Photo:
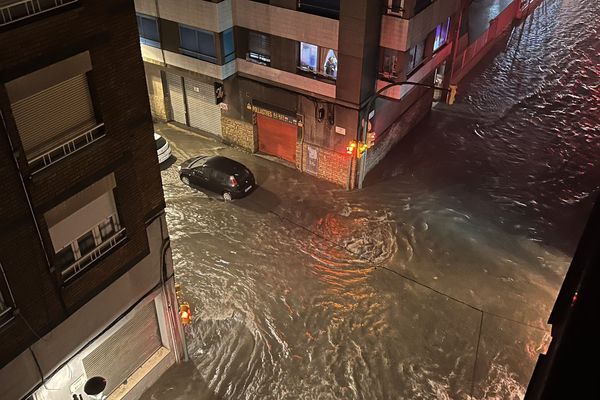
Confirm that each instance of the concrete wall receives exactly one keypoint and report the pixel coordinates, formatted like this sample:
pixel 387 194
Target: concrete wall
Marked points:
pixel 69 337
pixel 402 34
pixel 298 26
pixel 215 17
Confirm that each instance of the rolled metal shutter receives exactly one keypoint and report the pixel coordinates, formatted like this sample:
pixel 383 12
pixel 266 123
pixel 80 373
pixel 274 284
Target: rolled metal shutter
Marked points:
pixel 203 112
pixel 176 101
pixel 54 115
pixel 276 137
pixel 126 350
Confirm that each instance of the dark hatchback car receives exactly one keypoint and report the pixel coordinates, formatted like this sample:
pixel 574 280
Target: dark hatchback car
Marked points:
pixel 218 174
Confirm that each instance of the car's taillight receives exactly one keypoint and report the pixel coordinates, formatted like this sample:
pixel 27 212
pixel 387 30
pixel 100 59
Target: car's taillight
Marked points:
pixel 232 181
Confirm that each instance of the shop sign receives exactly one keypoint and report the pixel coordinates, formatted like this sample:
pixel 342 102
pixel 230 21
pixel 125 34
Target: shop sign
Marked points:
pixel 312 162
pixel 274 115
pixel 219 92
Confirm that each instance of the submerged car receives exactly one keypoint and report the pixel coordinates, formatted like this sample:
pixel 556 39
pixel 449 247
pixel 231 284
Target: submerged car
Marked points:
pixel 162 148
pixel 220 175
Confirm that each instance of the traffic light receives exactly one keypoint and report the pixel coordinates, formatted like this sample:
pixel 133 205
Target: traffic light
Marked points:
pixel 351 146
pixel 361 149
pixel 452 94
pixel 371 139
pixel 185 313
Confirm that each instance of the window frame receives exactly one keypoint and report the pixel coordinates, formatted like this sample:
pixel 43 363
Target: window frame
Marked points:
pixel 439 31
pixel 228 56
pixel 196 53
pixel 255 54
pixel 414 63
pixel 321 59
pixel 99 241
pixel 143 39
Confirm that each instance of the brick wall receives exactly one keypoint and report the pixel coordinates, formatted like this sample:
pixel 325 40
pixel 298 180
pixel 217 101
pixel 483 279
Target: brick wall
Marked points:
pixel 239 133
pixel 108 30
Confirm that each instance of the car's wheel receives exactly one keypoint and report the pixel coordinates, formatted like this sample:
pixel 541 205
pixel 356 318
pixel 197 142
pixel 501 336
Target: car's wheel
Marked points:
pixel 185 180
pixel 226 196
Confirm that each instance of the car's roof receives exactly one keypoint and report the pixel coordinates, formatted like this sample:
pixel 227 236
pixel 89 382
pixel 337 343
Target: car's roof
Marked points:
pixel 223 164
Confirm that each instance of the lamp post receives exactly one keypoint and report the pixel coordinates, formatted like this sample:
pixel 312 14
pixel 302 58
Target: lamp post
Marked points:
pixel 364 121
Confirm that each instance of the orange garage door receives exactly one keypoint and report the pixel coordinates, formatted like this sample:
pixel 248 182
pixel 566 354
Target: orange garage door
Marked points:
pixel 276 138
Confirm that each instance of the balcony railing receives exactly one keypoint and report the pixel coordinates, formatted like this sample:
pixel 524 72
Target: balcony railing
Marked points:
pixel 19 10
pixel 79 265
pixel 61 151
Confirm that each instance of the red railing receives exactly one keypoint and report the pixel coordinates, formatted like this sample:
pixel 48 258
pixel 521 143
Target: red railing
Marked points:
pixel 466 60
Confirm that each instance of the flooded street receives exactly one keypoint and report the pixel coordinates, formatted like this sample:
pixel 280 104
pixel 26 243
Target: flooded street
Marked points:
pixel 433 282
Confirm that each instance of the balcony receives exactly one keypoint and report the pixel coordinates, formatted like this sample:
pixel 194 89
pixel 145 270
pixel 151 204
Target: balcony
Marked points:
pixel 61 151
pixel 422 72
pixel 401 34
pixel 80 264
pixel 13 11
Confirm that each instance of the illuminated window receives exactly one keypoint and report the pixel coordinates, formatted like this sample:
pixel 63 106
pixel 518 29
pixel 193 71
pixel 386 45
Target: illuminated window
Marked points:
pixel 308 56
pixel 318 60
pixel 441 34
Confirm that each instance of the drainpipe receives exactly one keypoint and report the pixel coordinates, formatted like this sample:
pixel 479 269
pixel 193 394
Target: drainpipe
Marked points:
pixel 30 206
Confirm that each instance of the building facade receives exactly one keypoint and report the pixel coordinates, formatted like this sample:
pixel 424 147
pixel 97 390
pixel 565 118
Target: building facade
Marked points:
pixel 292 79
pixel 86 278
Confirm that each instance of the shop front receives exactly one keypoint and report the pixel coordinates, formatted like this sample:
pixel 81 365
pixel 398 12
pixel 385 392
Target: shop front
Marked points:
pixel 277 133
pixel 130 355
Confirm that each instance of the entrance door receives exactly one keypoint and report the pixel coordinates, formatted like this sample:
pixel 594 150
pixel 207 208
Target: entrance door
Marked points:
pixel 276 138
pixel 204 114
pixel 176 102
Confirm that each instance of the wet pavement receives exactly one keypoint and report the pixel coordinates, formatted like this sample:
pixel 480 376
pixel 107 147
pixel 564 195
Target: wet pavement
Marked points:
pixel 433 282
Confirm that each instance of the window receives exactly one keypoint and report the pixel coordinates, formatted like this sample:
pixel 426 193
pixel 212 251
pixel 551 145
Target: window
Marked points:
pixel 308 56
pixel 324 8
pixel 318 60
pixel 228 46
pixel 415 57
pixel 84 227
pixel 197 43
pixel 396 7
pixel 148 30
pixel 441 34
pixel 259 48
pixel 53 111
pixel 389 64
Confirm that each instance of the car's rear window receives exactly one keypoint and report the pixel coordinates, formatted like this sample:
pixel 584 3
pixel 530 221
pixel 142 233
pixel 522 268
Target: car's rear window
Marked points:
pixel 160 142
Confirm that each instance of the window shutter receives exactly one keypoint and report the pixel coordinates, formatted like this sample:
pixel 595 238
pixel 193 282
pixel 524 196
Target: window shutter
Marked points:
pixel 53 116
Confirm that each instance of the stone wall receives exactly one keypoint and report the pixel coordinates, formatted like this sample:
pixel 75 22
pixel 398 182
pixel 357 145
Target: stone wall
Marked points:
pixel 239 133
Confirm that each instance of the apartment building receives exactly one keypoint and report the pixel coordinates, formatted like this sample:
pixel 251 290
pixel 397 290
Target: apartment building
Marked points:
pixel 86 278
pixel 291 79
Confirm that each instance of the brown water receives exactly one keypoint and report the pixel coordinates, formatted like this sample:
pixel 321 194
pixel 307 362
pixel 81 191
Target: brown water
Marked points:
pixel 433 282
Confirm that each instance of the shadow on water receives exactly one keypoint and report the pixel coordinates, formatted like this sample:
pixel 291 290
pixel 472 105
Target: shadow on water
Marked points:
pixel 260 201
pixel 168 163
